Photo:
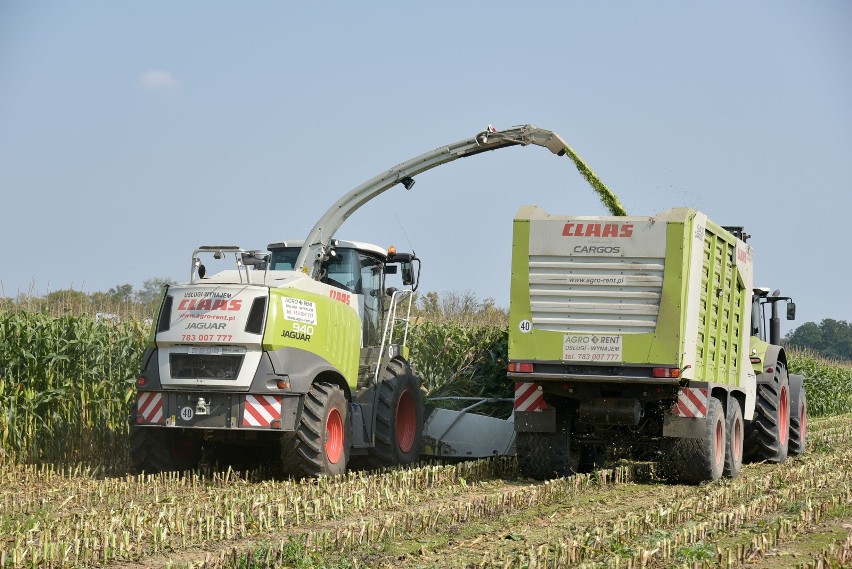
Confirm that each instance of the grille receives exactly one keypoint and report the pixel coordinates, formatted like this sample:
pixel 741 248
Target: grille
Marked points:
pixel 596 294
pixel 203 366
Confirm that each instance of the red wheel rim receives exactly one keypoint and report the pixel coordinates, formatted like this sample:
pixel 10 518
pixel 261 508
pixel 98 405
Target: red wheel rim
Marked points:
pixel 803 422
pixel 406 421
pixel 738 440
pixel 334 436
pixel 783 417
pixel 720 442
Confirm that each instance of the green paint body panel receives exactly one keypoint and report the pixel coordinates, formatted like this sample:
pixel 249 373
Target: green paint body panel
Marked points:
pixel 336 336
pixel 673 289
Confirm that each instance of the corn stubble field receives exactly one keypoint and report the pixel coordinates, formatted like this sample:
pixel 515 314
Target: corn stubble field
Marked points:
pixel 67 500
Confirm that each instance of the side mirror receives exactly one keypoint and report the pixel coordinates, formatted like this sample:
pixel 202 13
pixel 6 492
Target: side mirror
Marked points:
pixel 407 273
pixel 390 269
pixel 791 311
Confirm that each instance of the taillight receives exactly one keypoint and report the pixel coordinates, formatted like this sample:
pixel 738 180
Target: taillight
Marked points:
pixel 141 381
pixel 520 367
pixel 754 359
pixel 665 372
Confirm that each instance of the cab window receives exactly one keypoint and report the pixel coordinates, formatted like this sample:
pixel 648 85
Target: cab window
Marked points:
pixel 283 259
pixel 370 286
pixel 343 270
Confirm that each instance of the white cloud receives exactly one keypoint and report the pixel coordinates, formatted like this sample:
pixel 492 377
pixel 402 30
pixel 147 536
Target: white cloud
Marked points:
pixel 159 80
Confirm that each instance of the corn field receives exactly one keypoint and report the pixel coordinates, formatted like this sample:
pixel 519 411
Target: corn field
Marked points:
pixel 64 394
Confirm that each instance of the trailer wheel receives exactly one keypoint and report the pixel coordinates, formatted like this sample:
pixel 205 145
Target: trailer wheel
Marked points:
pixel 798 418
pixel 320 444
pixel 161 449
pixel 735 431
pixel 699 460
pixel 399 417
pixel 767 437
pixel 548 455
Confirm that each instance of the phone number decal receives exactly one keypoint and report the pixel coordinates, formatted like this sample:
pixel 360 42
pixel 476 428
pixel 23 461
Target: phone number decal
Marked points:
pixel 592 348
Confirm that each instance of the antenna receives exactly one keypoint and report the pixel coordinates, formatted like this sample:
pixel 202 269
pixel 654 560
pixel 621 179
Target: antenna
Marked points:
pixel 398 220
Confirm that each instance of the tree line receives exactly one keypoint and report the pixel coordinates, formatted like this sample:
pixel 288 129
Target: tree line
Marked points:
pixel 123 301
pixel 830 338
pixel 120 301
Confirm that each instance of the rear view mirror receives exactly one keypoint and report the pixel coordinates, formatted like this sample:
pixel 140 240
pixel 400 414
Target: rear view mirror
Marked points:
pixel 407 273
pixel 791 311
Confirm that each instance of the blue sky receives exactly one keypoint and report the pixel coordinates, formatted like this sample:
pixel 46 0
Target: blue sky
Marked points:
pixel 132 132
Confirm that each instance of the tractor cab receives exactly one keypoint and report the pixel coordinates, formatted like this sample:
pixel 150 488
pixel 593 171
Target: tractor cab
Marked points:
pixel 760 300
pixel 359 270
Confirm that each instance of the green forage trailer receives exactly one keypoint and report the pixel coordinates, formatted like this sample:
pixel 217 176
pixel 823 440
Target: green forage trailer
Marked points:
pixel 645 332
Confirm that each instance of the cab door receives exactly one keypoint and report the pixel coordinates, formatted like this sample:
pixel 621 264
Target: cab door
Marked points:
pixel 370 295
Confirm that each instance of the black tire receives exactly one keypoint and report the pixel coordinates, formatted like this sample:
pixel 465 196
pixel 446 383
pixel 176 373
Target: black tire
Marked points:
pixel 163 449
pixel 320 444
pixel 591 458
pixel 399 417
pixel 734 437
pixel 798 418
pixel 692 461
pixel 767 436
pixel 548 455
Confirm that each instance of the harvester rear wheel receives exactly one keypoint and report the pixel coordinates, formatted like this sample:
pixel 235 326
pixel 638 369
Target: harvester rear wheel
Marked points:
pixel 798 419
pixel 161 449
pixel 320 444
pixel 399 417
pixel 767 437
pixel 735 431
pixel 548 455
pixel 699 460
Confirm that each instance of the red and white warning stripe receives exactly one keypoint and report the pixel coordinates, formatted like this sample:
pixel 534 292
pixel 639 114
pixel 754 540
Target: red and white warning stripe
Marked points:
pixel 691 402
pixel 149 407
pixel 261 410
pixel 529 397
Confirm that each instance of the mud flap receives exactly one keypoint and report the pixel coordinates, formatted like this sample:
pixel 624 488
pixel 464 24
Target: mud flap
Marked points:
pixel 541 421
pixel 684 427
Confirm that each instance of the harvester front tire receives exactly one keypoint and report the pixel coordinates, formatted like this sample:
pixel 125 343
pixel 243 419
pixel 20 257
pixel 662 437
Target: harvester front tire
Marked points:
pixel 798 418
pixel 161 449
pixel 768 435
pixel 399 418
pixel 320 444
pixel 735 433
pixel 692 461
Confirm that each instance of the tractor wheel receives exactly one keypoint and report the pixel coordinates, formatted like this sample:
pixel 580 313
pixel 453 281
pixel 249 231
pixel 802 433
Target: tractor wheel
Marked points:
pixel 320 444
pixel 735 430
pixel 161 449
pixel 548 455
pixel 399 417
pixel 699 460
pixel 767 437
pixel 798 419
